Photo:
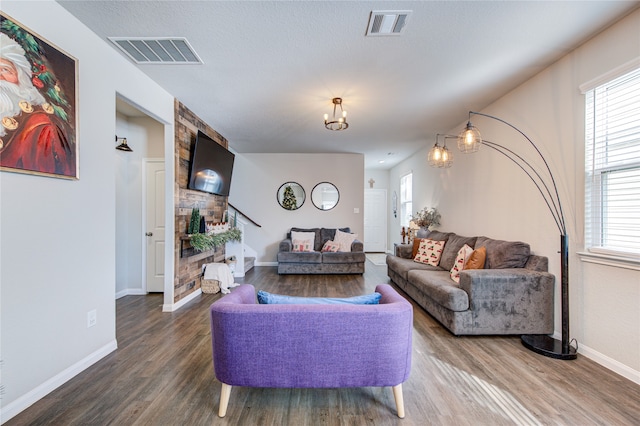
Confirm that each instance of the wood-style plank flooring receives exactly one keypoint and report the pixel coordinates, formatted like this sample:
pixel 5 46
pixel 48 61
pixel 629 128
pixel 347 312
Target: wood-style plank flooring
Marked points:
pixel 162 374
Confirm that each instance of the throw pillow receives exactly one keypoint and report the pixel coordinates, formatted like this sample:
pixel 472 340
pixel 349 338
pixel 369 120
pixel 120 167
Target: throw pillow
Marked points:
pixel 270 298
pixel 330 246
pixel 416 246
pixel 304 236
pixel 344 240
pixel 429 252
pixel 477 258
pixel 302 245
pixel 461 259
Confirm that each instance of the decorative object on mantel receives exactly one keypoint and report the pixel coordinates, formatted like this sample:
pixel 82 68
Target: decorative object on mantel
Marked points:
pixel 470 140
pixel 205 242
pixel 194 222
pixel 425 218
pixel 339 123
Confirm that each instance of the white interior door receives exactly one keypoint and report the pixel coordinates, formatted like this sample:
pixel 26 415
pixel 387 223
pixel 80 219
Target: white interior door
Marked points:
pixel 375 220
pixel 155 225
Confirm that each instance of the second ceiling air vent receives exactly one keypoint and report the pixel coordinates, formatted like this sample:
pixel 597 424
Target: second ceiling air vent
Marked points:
pixel 387 22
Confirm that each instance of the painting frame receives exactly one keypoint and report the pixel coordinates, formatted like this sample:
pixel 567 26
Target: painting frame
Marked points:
pixel 39 121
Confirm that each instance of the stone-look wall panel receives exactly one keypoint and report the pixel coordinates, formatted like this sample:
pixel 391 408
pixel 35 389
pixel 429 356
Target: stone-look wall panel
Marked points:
pixel 212 207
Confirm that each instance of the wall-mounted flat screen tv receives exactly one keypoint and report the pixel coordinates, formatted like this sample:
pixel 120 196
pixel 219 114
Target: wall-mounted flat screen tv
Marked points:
pixel 211 166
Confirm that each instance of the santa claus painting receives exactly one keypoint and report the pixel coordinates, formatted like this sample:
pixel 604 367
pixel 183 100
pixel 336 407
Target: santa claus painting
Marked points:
pixel 37 105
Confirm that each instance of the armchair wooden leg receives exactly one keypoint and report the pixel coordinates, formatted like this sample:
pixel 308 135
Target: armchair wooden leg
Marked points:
pixel 397 394
pixel 225 393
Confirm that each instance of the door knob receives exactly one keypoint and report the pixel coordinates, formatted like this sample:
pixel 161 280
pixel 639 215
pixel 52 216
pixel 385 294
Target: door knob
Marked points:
pixel 148 234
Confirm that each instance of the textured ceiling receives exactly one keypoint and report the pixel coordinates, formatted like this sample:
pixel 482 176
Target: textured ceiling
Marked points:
pixel 271 68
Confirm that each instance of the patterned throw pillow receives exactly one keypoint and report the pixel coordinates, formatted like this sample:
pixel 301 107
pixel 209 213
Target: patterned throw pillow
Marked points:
pixel 429 252
pixel 302 245
pixel 330 246
pixel 463 255
pixel 344 240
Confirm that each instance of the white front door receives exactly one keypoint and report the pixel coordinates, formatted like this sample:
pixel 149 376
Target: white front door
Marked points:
pixel 375 220
pixel 154 225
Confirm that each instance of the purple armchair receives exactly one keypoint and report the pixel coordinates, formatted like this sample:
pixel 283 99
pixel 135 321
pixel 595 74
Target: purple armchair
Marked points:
pixel 311 346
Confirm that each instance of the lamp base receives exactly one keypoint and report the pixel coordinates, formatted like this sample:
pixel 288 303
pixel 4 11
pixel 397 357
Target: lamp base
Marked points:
pixel 547 346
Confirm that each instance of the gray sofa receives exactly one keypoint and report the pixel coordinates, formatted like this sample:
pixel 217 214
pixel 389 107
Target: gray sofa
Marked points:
pixel 513 294
pixel 316 262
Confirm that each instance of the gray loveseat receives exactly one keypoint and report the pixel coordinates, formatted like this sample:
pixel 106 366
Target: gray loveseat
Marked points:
pixel 317 262
pixel 513 294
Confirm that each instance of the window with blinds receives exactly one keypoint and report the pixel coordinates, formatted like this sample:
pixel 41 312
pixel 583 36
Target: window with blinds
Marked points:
pixel 612 160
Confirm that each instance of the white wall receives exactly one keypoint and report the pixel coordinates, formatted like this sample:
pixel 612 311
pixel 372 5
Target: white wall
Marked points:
pixel 485 194
pixel 58 236
pixel 257 177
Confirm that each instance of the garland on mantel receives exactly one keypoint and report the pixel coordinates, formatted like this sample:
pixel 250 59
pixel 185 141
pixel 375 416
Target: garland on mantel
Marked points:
pixel 205 242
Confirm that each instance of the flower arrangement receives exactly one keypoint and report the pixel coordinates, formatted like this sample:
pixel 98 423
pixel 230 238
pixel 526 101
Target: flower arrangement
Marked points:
pixel 426 217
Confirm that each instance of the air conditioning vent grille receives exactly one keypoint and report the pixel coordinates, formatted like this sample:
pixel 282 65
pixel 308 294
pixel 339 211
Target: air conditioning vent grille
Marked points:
pixel 155 50
pixel 387 22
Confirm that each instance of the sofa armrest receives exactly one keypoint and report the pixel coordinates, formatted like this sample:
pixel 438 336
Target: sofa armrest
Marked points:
pixel 357 245
pixel 404 250
pixel 285 245
pixel 523 296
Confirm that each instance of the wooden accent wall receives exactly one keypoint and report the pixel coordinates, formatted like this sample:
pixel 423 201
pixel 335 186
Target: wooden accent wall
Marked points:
pixel 189 266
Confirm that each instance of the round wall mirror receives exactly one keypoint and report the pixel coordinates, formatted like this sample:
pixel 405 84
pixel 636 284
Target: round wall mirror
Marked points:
pixel 291 196
pixel 325 196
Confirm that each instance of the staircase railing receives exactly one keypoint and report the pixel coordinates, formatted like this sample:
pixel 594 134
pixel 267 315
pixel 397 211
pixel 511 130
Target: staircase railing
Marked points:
pixel 245 215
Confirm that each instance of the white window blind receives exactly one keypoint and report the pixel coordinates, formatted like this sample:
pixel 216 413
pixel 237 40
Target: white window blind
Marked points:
pixel 406 199
pixel 612 160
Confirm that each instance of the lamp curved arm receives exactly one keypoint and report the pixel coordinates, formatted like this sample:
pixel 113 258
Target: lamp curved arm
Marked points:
pixel 559 215
pixel 550 204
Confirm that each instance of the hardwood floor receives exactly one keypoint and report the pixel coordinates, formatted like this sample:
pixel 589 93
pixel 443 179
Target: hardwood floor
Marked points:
pixel 162 374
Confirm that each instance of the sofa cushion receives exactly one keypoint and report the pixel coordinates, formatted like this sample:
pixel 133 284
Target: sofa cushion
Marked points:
pixel 280 299
pixel 463 255
pixel 441 288
pixel 402 266
pixel 344 239
pixel 429 252
pixel 437 235
pixel 504 254
pixel 477 258
pixel 317 240
pixel 451 249
pixel 302 257
pixel 330 246
pixel 328 234
pixel 416 246
pixel 343 257
pixel 302 246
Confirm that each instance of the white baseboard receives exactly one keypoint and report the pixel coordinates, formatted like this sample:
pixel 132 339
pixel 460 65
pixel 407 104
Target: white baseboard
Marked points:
pixel 605 361
pixel 23 402
pixel 130 292
pixel 266 264
pixel 175 306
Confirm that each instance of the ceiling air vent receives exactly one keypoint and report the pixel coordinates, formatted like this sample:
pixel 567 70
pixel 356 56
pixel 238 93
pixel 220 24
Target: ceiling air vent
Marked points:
pixel 157 50
pixel 387 22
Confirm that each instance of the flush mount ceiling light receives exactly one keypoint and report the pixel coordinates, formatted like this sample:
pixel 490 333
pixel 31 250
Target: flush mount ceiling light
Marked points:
pixel 339 123
pixel 387 22
pixel 157 50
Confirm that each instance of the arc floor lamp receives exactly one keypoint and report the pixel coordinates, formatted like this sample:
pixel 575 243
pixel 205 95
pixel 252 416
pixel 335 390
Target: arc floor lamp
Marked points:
pixel 469 141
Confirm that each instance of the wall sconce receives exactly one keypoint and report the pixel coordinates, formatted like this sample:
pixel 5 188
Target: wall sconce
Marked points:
pixel 123 146
pixel 339 123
